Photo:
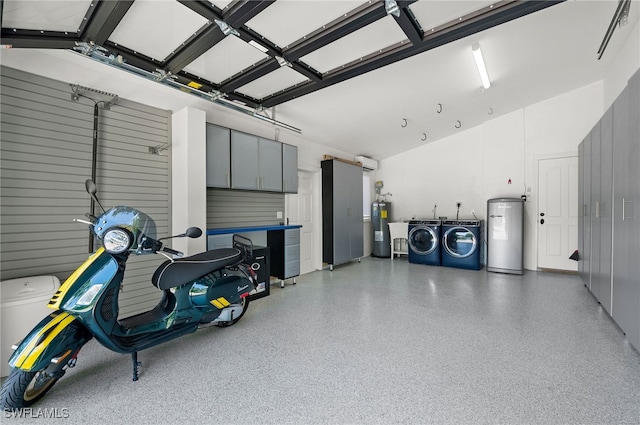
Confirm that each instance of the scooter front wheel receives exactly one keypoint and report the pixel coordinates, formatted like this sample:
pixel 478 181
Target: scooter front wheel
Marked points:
pixel 22 388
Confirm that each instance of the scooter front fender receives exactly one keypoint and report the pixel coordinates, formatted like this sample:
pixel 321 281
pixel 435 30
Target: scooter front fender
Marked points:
pixel 57 335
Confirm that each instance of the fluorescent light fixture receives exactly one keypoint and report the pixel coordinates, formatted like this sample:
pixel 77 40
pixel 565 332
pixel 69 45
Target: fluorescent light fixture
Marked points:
pixel 482 69
pixel 258 46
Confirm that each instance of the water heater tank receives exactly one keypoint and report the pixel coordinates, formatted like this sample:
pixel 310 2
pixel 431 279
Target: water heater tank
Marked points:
pixel 380 218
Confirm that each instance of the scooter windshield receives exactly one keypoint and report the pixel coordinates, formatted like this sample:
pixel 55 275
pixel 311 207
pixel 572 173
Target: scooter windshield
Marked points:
pixel 137 222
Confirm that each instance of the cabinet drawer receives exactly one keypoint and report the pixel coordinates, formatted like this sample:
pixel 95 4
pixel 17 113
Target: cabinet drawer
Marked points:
pixel 292 237
pixel 291 269
pixel 292 253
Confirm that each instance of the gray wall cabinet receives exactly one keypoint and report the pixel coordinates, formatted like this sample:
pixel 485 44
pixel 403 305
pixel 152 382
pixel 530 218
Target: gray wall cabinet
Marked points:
pixel 342 228
pixel 610 224
pixel 289 169
pixel 237 160
pixel 218 156
pixel 244 161
pixel 270 165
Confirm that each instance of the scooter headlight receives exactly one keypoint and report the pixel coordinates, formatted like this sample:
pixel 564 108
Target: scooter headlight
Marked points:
pixel 116 241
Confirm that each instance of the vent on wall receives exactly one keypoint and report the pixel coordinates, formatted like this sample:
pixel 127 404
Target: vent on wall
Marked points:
pixel 367 163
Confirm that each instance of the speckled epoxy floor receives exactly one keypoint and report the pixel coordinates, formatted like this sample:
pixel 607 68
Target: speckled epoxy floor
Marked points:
pixel 378 342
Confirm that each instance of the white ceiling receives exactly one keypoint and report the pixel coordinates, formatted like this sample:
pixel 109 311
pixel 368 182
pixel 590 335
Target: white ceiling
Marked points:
pixel 388 110
pixel 530 59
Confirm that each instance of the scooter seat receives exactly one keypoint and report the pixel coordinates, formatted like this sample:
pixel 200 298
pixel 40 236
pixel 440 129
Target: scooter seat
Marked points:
pixel 184 270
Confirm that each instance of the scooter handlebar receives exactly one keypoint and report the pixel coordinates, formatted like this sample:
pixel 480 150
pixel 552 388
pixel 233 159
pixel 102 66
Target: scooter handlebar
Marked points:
pixel 172 251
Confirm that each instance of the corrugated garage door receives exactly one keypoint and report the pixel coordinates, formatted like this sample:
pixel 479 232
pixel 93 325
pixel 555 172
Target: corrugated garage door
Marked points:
pixel 46 157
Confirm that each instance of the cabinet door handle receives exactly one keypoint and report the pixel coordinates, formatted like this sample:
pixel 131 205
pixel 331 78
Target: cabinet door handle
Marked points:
pixel 228 179
pixel 597 209
pixel 257 182
pixel 624 203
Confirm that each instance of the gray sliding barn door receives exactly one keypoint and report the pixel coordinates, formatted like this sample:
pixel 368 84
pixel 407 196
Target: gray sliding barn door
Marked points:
pixel 45 153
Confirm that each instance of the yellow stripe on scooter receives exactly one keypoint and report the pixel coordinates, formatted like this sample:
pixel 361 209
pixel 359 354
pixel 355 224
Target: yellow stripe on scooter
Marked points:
pixel 54 303
pixel 220 302
pixel 34 349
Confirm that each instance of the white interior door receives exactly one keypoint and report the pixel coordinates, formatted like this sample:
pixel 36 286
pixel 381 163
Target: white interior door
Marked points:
pixel 557 213
pixel 300 211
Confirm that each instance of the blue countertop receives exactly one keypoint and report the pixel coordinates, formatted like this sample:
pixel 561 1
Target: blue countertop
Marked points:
pixel 228 230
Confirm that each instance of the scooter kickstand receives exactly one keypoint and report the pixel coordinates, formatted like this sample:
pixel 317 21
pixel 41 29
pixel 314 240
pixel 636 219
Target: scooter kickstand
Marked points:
pixel 136 365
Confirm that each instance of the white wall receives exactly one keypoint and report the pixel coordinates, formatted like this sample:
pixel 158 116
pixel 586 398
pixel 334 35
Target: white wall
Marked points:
pixel 626 63
pixel 188 177
pixel 477 164
pixel 471 166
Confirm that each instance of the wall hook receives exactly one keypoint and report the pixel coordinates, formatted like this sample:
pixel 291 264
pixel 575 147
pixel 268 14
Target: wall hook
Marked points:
pixel 458 124
pixel 404 123
pixel 490 111
pixel 424 137
pixel 439 110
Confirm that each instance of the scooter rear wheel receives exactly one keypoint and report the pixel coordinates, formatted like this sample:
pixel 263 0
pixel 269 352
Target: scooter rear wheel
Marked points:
pixel 22 388
pixel 245 305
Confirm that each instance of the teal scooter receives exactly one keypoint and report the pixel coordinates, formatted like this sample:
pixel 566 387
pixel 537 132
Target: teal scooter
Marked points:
pixel 210 288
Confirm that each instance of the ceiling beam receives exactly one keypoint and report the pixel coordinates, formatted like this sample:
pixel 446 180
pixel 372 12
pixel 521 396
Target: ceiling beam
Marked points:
pixel 355 20
pixel 34 39
pixel 407 22
pixel 305 70
pixel 102 18
pixel 240 12
pixel 452 33
pixel 263 68
pixel 203 8
pixel 197 47
pixel 237 14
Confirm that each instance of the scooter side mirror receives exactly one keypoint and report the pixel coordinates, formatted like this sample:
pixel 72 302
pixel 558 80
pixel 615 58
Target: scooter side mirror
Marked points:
pixel 91 187
pixel 193 232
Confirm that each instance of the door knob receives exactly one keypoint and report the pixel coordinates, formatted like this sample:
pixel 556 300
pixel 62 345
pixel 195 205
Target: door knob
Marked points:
pixel 541 214
pixel 542 221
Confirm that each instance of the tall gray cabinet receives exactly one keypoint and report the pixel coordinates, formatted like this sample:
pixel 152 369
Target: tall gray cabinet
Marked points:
pixel 610 217
pixel 342 232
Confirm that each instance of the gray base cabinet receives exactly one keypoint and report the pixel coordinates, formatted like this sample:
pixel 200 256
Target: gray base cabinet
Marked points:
pixel 342 232
pixel 285 252
pixel 609 234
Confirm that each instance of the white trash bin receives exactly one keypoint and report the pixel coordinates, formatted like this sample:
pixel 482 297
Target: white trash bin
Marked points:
pixel 23 303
